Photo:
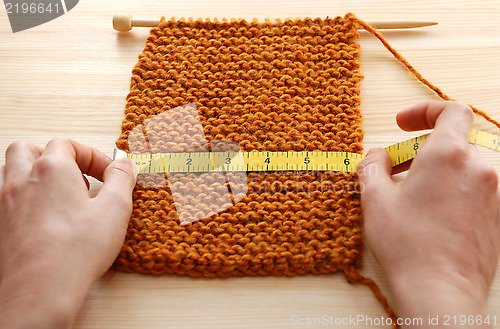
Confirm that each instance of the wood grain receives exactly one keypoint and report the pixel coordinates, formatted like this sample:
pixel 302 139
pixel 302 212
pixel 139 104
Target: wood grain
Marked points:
pixel 69 77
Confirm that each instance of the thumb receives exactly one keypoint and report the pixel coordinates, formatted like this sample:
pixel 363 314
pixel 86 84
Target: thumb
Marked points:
pixel 374 173
pixel 119 179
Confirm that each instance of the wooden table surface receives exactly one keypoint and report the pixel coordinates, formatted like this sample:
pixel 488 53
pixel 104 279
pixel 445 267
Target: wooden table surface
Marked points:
pixel 69 77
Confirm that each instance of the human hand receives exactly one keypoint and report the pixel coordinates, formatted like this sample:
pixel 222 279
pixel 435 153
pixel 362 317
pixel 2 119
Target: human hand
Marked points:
pixel 55 240
pixel 436 234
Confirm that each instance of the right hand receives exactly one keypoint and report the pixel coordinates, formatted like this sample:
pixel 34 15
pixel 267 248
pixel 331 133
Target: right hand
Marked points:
pixel 437 234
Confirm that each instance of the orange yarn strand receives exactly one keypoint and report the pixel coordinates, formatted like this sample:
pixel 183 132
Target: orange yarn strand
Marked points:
pixel 353 276
pixel 417 74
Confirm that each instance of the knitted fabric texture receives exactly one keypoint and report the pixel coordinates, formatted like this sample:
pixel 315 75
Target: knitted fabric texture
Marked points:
pixel 271 86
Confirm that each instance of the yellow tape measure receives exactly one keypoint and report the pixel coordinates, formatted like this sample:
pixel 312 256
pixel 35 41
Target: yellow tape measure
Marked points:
pixel 283 161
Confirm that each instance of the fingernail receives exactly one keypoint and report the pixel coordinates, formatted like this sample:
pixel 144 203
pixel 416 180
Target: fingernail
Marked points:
pixel 135 169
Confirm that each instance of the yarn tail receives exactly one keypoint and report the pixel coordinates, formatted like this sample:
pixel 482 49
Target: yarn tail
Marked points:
pixel 353 276
pixel 417 74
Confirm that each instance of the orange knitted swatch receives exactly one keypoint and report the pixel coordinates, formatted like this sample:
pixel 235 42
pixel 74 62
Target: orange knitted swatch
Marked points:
pixel 282 86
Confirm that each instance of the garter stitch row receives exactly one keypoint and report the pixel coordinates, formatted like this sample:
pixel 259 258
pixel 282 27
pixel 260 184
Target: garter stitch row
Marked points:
pixel 288 85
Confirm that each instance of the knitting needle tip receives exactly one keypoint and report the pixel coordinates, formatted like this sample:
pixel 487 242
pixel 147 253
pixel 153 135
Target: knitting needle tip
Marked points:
pixel 125 22
pixel 401 24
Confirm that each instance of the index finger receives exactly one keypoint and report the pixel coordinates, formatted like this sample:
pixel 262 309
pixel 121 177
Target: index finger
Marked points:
pixel 450 120
pixel 89 160
pixel 19 159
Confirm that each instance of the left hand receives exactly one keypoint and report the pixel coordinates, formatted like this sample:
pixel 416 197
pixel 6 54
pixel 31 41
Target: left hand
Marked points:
pixel 55 240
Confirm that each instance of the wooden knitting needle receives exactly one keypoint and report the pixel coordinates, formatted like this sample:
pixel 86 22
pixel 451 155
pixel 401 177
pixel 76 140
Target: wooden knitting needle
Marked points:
pixel 125 22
